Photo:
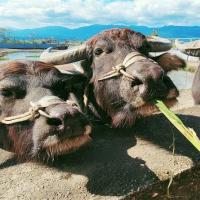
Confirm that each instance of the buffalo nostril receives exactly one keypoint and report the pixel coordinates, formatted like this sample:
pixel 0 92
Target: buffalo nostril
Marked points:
pixel 135 82
pixel 54 121
pixel 162 73
pixel 153 90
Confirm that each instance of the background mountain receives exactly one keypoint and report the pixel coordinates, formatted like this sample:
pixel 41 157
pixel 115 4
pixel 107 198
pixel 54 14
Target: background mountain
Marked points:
pixel 83 33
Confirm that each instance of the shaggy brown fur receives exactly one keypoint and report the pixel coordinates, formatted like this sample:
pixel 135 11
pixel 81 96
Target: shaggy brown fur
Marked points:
pixel 25 81
pixel 123 37
pixel 115 98
pixel 25 67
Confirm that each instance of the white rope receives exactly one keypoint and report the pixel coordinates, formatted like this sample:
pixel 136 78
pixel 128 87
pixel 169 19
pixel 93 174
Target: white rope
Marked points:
pixel 35 110
pixel 120 69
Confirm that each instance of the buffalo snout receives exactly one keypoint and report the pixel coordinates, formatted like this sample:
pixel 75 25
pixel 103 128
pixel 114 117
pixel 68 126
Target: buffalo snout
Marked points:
pixel 67 118
pixel 153 83
pixel 64 130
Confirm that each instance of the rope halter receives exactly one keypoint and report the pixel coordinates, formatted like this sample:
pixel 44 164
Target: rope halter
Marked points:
pixel 36 109
pixel 120 69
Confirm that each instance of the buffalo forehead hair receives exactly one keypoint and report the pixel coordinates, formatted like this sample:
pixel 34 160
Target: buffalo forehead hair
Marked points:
pixel 135 39
pixel 23 68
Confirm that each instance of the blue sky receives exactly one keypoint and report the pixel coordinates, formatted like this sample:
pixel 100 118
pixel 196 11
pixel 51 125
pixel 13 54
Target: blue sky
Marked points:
pixel 76 13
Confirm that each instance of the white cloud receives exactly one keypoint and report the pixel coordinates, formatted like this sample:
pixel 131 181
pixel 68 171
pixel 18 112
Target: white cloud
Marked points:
pixel 34 13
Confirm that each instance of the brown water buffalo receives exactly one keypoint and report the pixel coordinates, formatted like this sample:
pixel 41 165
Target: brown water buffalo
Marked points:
pixel 123 79
pixel 36 120
pixel 192 49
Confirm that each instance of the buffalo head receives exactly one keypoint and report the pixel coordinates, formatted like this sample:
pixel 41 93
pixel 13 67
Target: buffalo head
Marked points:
pixel 37 119
pixel 124 80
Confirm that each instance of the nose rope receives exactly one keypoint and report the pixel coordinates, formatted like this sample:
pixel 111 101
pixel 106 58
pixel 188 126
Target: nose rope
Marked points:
pixel 120 69
pixel 35 110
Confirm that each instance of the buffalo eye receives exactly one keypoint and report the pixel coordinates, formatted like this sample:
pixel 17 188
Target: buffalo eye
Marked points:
pixel 98 51
pixel 6 93
pixel 13 93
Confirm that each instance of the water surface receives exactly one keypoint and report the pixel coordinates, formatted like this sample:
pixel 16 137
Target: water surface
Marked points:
pixel 25 55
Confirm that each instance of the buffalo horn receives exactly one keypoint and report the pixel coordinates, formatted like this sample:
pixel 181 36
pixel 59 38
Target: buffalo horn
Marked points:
pixel 64 56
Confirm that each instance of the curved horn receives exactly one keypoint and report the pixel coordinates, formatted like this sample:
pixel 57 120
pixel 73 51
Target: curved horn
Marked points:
pixel 159 44
pixel 64 56
pixel 189 48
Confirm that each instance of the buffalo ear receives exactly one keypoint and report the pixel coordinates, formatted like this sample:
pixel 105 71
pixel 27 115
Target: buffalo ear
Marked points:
pixel 169 62
pixel 75 83
pixel 76 86
pixel 72 73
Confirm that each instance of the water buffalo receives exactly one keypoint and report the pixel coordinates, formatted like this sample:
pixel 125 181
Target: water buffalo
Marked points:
pixel 37 118
pixel 123 78
pixel 192 49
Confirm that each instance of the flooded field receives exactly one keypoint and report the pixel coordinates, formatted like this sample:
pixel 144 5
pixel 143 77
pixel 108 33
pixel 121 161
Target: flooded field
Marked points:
pixel 23 55
pixel 27 55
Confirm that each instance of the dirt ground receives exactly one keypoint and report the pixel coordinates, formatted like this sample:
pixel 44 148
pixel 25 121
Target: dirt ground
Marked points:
pixel 118 164
pixel 184 187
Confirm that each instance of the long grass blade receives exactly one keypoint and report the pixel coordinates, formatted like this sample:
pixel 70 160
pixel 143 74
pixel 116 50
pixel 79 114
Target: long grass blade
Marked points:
pixel 189 133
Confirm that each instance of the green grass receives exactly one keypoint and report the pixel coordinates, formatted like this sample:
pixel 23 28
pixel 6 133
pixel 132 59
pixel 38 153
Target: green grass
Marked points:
pixel 3 59
pixel 189 133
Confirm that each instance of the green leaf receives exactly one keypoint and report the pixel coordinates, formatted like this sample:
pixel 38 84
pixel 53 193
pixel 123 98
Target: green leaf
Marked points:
pixel 189 133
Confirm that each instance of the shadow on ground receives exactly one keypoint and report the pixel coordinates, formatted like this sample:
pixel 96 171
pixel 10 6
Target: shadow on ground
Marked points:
pixel 158 130
pixel 106 164
pixel 110 170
